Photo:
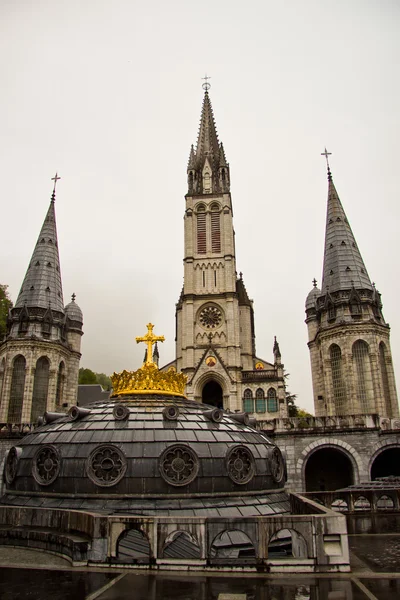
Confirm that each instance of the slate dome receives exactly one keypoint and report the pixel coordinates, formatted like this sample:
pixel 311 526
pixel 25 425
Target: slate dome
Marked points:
pixel 121 453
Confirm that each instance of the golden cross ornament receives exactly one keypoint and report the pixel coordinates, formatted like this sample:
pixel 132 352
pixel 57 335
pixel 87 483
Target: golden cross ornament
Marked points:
pixel 150 339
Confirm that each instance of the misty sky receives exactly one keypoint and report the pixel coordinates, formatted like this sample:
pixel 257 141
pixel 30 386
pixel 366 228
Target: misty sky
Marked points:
pixel 109 95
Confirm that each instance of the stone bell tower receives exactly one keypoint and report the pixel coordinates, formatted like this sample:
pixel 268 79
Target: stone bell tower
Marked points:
pixel 215 333
pixel 349 340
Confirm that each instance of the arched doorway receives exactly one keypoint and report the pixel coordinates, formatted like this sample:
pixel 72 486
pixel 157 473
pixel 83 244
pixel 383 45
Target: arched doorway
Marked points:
pixel 212 394
pixel 328 469
pixel 386 463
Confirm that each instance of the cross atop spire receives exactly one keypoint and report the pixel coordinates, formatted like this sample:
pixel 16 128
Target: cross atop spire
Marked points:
pixel 55 179
pixel 206 86
pixel 326 154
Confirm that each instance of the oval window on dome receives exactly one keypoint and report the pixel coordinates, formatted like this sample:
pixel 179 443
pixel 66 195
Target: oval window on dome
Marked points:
pixel 240 464
pixel 179 465
pixel 106 465
pixel 277 465
pixel 46 465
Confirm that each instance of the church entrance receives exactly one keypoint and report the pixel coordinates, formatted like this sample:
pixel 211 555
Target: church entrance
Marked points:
pixel 386 463
pixel 328 469
pixel 212 394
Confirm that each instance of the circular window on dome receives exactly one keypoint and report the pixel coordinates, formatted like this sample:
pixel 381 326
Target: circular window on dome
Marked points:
pixel 46 465
pixel 277 465
pixel 210 317
pixel 12 463
pixel 241 467
pixel 106 466
pixel 179 465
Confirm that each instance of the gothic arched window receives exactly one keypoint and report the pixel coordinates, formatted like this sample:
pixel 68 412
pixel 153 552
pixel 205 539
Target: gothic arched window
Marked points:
pixel 363 376
pixel 60 384
pixel 385 379
pixel 201 230
pixel 272 401
pixel 260 401
pixel 215 229
pixel 248 402
pixel 339 390
pixel 17 390
pixel 40 388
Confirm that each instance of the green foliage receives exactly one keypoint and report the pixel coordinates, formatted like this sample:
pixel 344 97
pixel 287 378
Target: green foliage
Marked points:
pixel 86 377
pixel 89 377
pixel 5 305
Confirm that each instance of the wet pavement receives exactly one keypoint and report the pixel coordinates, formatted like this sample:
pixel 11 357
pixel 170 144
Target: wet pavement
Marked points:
pixel 375 576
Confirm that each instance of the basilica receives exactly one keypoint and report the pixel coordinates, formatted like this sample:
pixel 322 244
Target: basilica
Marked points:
pixel 354 437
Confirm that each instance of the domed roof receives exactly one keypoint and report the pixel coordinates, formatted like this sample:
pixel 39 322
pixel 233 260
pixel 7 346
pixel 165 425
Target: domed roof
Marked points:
pixel 143 449
pixel 312 296
pixel 73 311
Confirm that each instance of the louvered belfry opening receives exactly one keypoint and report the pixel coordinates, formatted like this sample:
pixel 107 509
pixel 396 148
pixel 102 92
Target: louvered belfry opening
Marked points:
pixel 17 390
pixel 201 231
pixel 339 389
pixel 215 229
pixel 40 388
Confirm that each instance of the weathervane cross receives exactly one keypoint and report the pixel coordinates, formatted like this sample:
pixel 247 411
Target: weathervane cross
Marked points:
pixel 206 86
pixel 55 179
pixel 150 339
pixel 326 154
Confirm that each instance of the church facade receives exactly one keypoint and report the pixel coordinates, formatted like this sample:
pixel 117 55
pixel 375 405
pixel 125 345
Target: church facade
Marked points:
pixel 215 325
pixel 40 354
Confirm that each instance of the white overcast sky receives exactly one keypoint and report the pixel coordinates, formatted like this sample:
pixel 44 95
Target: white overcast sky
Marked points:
pixel 108 93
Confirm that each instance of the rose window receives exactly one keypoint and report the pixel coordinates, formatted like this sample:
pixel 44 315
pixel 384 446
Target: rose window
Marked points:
pixel 106 466
pixel 179 465
pixel 277 465
pixel 240 465
pixel 46 466
pixel 210 317
pixel 12 464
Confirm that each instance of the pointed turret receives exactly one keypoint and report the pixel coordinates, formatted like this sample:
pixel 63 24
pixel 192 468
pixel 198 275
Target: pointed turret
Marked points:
pixel 42 287
pixel 343 265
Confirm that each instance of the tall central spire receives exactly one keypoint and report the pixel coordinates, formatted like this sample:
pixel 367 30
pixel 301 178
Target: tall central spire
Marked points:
pixel 343 264
pixel 207 140
pixel 208 169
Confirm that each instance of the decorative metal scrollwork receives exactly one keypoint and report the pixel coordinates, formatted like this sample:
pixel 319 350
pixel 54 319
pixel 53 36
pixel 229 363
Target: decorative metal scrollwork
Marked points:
pixel 46 465
pixel 106 465
pixel 12 464
pixel 277 465
pixel 210 317
pixel 179 465
pixel 240 463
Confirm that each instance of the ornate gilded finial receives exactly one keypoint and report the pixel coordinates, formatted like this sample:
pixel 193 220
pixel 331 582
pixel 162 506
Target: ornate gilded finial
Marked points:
pixel 206 86
pixel 314 282
pixel 55 179
pixel 148 379
pixel 150 339
pixel 326 154
pixel 73 297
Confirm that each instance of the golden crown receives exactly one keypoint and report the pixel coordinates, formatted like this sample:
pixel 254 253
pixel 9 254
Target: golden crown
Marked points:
pixel 149 379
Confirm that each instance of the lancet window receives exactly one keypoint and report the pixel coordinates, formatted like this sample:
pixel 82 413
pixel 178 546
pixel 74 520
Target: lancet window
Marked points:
pixel 363 376
pixel 248 401
pixel 215 229
pixel 60 384
pixel 40 388
pixel 201 230
pixel 17 390
pixel 260 401
pixel 385 378
pixel 339 389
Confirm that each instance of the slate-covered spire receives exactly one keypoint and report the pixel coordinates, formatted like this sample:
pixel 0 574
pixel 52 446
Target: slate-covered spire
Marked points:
pixel 207 140
pixel 343 265
pixel 42 287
